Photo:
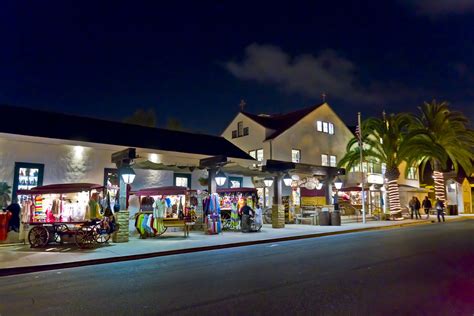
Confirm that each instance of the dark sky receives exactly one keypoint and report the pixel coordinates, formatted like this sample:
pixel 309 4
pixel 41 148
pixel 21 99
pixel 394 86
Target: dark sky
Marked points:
pixel 195 60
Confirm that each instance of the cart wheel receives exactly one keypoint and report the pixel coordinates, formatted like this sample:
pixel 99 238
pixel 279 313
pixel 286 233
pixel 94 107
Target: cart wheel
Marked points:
pixel 101 236
pixel 85 238
pixel 60 230
pixel 38 237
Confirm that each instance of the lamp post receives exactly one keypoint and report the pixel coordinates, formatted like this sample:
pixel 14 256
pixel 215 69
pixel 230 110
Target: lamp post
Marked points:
pixel 127 176
pixel 338 185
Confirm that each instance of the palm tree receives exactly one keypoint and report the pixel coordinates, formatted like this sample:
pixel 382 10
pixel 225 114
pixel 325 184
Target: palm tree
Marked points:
pixel 386 140
pixel 442 135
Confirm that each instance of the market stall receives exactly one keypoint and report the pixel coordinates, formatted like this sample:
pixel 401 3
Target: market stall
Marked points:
pixel 231 200
pixel 52 213
pixel 165 207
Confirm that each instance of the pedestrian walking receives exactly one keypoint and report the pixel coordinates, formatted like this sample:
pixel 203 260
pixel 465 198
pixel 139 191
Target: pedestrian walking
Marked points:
pixel 439 209
pixel 417 207
pixel 427 206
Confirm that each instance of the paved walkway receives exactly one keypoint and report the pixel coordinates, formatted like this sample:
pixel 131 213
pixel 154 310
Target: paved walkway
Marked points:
pixel 17 256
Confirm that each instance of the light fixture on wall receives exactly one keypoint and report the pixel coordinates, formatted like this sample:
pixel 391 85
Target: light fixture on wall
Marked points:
pixel 452 185
pixel 78 152
pixel 127 174
pixel 220 178
pixel 268 181
pixel 319 186
pixel 287 180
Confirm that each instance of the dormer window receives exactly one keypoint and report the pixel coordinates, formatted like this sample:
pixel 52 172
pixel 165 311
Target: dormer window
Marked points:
pixel 240 131
pixel 325 127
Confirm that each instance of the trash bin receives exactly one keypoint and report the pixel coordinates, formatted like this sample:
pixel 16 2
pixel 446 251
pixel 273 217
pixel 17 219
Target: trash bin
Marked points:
pixel 324 218
pixel 452 209
pixel 336 218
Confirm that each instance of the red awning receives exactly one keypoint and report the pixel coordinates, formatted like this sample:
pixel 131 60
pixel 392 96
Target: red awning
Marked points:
pixel 234 190
pixel 61 188
pixel 162 191
pixel 311 193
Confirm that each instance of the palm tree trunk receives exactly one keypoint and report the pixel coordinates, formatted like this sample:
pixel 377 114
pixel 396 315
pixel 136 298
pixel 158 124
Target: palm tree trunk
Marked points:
pixel 393 190
pixel 439 185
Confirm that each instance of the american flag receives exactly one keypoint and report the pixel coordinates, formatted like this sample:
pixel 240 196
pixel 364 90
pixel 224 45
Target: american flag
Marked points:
pixel 357 133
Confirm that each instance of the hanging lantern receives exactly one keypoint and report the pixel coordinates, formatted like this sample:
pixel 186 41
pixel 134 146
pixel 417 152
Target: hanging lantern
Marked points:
pixel 220 178
pixel 338 183
pixel 128 174
pixel 287 180
pixel 268 181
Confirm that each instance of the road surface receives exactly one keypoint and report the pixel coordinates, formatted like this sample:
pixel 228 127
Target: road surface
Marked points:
pixel 422 270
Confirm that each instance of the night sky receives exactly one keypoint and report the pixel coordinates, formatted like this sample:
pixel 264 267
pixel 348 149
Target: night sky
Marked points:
pixel 196 60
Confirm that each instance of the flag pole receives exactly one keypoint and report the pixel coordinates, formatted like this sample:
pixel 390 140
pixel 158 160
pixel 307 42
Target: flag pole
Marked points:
pixel 362 185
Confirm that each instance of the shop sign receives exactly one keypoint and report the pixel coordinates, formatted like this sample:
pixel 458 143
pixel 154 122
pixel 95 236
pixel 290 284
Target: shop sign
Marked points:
pixel 375 179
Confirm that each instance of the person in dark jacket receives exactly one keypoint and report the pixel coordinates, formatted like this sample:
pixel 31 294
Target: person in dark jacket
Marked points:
pixel 439 205
pixel 426 204
pixel 247 216
pixel 417 207
pixel 15 209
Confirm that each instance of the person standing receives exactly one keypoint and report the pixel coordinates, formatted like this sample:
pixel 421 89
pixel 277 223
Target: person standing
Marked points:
pixel 15 209
pixel 411 204
pixel 427 206
pixel 439 209
pixel 247 215
pixel 417 207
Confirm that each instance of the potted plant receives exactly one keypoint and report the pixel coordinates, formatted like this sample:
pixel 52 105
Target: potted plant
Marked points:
pixel 5 191
pixel 203 181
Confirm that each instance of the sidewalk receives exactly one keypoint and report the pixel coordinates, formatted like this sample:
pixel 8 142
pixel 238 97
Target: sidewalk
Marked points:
pixel 22 259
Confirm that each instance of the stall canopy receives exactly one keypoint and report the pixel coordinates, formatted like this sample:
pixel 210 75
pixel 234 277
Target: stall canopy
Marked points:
pixel 149 165
pixel 171 190
pixel 229 168
pixel 62 188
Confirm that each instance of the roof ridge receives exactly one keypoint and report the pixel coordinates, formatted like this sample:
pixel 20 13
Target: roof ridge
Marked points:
pixel 99 119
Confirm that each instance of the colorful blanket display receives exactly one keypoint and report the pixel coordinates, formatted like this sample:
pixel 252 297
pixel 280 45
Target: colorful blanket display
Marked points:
pixel 153 209
pixel 212 213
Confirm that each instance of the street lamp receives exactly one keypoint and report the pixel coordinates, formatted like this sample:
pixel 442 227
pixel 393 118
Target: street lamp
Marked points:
pixel 220 178
pixel 127 174
pixel 287 180
pixel 338 183
pixel 268 181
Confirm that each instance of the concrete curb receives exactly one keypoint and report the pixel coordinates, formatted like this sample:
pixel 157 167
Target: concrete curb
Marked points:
pixel 55 266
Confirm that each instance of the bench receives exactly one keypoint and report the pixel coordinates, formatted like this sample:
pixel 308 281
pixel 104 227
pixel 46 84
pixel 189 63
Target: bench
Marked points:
pixel 174 222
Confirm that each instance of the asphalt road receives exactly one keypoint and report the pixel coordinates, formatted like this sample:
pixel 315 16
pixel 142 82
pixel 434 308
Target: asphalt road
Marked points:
pixel 423 270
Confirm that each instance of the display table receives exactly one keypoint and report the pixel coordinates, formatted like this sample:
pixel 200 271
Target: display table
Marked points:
pixel 174 222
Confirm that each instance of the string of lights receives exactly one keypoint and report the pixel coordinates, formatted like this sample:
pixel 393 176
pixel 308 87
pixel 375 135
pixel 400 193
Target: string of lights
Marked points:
pixel 439 185
pixel 394 196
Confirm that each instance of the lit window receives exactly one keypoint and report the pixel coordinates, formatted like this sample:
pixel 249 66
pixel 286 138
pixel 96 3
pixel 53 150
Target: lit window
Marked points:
pixel 333 161
pixel 253 154
pixel 324 160
pixel 319 126
pixel 325 127
pixel 296 155
pixel 331 128
pixel 412 174
pixel 182 180
pixel 260 155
